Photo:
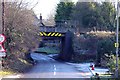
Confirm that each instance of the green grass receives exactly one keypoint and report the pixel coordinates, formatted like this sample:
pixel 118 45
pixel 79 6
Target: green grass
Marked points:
pixel 47 50
pixel 103 77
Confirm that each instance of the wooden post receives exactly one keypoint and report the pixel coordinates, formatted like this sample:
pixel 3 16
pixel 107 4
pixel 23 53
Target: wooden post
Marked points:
pixel 0 16
pixel 0 30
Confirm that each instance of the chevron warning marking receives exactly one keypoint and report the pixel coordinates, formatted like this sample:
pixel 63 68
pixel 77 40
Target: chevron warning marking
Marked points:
pixel 49 34
pixel 44 34
pixel 52 34
pixel 56 34
pixel 60 35
pixel 41 34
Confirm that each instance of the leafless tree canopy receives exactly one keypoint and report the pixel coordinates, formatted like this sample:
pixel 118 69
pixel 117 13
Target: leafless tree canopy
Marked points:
pixel 21 29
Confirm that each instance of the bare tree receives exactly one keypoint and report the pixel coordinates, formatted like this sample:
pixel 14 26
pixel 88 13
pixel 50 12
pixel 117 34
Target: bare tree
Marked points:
pixel 20 29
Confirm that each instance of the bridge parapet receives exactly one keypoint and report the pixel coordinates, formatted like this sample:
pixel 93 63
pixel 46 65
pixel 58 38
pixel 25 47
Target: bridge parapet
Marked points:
pixel 47 29
pixel 56 29
pixel 53 29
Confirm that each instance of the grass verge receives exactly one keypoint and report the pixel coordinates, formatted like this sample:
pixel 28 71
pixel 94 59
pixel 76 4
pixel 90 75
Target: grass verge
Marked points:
pixel 6 72
pixel 47 50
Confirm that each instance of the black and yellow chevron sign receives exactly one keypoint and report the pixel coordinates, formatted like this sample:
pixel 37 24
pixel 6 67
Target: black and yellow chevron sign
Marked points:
pixel 56 34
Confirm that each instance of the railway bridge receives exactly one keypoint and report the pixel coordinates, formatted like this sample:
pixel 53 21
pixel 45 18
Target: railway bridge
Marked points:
pixel 60 34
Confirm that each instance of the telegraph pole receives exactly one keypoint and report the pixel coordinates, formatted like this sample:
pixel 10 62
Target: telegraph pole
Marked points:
pixel 3 25
pixel 117 37
pixel 0 17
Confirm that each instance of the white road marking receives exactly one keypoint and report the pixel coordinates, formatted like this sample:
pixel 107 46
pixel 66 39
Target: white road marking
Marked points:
pixel 54 70
pixel 12 76
pixel 54 67
pixel 54 73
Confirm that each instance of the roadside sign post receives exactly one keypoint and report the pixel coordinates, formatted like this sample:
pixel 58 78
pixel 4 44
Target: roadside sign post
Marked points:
pixel 116 45
pixel 117 42
pixel 117 37
pixel 2 50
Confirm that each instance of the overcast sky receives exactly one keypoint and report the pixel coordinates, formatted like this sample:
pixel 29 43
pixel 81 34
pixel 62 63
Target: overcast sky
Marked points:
pixel 47 7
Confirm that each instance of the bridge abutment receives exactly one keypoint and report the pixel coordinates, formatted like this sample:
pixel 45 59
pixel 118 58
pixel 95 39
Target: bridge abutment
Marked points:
pixel 67 48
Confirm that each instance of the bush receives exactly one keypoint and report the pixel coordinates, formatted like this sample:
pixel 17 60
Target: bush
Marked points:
pixel 112 64
pixel 104 46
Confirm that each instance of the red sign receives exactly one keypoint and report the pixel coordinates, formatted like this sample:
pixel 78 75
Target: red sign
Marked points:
pixel 2 39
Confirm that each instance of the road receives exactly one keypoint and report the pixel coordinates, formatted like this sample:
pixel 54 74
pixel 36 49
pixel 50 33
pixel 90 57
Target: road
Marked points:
pixel 49 68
